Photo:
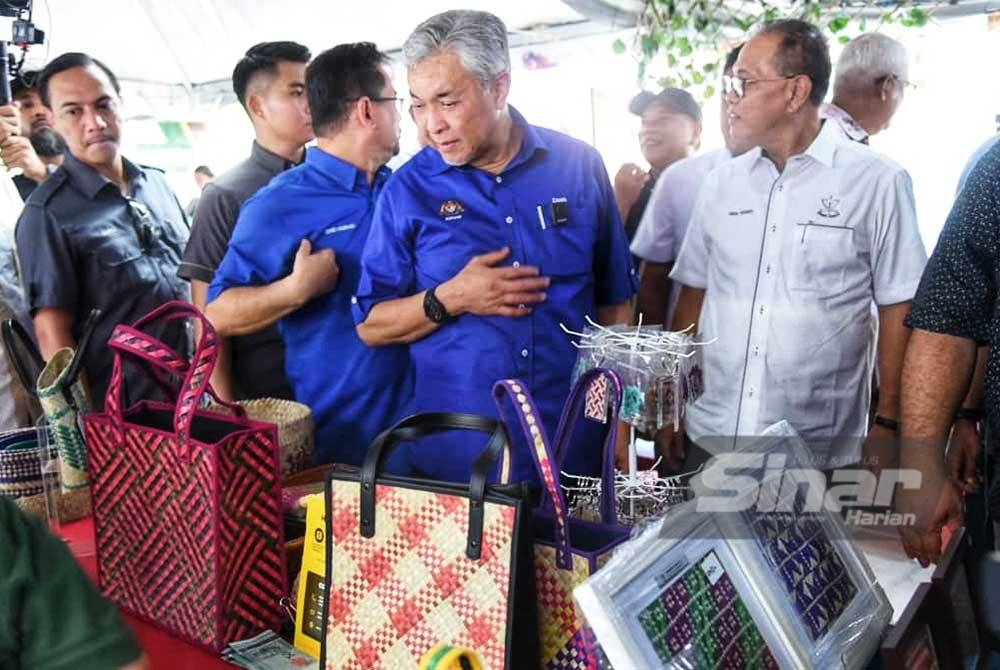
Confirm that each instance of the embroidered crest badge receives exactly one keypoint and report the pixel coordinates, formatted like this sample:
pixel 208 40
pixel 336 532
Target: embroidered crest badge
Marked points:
pixel 829 209
pixel 451 209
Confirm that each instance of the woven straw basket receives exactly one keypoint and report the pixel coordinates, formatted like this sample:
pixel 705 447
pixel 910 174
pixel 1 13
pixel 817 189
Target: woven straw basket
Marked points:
pixel 21 477
pixel 295 429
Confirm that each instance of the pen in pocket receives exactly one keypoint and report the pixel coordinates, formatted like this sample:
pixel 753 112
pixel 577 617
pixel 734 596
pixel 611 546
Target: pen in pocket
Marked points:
pixel 541 217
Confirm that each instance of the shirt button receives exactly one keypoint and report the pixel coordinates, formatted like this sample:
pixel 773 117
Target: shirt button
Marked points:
pixel 750 394
pixel 524 353
pixel 499 179
pixel 767 270
pixel 509 219
pixel 354 300
pixel 516 264
pixel 762 309
pixel 756 351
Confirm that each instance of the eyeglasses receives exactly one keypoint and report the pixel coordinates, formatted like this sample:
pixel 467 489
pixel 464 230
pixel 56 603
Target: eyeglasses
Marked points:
pixel 738 85
pixel 143 221
pixel 905 83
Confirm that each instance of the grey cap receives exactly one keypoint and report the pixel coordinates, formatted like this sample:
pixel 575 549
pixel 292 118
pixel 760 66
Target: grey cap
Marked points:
pixel 676 99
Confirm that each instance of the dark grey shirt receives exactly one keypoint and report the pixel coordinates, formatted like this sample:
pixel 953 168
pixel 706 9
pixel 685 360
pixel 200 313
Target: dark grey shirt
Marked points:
pixel 82 244
pixel 257 360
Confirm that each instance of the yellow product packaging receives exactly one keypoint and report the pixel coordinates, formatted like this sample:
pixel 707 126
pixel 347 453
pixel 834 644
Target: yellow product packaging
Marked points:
pixel 310 601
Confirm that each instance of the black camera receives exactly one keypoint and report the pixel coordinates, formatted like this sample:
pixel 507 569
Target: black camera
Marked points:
pixel 23 34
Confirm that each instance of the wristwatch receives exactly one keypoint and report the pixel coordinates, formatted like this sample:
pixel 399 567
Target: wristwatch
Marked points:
pixel 433 308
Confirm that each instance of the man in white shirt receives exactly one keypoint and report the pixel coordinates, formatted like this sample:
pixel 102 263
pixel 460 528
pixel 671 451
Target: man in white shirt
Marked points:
pixel 788 246
pixel 662 228
pixel 868 89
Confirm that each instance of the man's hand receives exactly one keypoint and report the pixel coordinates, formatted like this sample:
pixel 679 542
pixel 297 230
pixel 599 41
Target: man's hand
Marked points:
pixel 483 289
pixel 314 274
pixel 16 152
pixel 10 122
pixel 964 449
pixel 936 505
pixel 880 449
pixel 628 184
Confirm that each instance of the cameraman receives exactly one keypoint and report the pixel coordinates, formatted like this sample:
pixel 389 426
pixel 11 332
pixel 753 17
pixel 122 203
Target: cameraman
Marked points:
pixel 27 138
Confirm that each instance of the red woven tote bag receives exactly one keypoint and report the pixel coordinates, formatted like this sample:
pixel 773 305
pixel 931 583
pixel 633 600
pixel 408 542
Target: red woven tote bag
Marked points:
pixel 187 502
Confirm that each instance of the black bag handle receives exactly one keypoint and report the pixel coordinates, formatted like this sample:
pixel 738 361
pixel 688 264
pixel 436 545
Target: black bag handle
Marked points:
pixel 16 339
pixel 417 426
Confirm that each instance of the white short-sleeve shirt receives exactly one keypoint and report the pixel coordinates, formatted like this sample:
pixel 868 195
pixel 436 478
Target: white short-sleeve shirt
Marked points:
pixel 665 221
pixel 790 264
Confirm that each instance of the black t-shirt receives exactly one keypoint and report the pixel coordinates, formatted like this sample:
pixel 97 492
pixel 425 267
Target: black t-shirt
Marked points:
pixel 257 360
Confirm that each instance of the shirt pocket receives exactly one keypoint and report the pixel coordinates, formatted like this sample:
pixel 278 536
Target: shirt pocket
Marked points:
pixel 821 258
pixel 121 265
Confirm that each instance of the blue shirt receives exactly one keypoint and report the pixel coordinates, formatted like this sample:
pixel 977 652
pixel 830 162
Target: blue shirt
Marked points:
pixel 433 218
pixel 354 391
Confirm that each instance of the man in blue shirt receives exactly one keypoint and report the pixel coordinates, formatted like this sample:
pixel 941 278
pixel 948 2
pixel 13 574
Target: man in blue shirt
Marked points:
pixel 485 242
pixel 295 255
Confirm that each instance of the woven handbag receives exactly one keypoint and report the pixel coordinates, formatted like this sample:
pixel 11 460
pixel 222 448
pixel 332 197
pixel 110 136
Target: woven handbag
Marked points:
pixel 568 550
pixel 187 502
pixel 416 562
pixel 21 463
pixel 296 432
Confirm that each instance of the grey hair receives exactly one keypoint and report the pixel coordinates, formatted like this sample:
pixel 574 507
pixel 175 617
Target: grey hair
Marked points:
pixel 867 58
pixel 479 39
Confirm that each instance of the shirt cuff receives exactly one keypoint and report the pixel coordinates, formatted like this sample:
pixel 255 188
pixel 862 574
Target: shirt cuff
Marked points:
pixel 191 271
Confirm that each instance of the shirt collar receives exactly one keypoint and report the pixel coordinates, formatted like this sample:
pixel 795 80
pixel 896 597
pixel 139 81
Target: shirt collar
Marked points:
pixel 271 161
pixel 90 181
pixel 342 172
pixel 822 148
pixel 851 128
pixel 531 143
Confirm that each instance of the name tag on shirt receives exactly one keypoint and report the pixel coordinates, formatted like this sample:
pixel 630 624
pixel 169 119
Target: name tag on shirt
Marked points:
pixel 343 228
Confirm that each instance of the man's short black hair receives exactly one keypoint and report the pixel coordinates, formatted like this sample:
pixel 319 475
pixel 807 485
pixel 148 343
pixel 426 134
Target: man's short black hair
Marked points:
pixel 338 77
pixel 803 50
pixel 205 170
pixel 26 80
pixel 264 58
pixel 731 58
pixel 68 61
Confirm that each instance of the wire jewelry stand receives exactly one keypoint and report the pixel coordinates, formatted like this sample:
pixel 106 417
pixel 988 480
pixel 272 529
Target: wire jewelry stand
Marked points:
pixel 661 372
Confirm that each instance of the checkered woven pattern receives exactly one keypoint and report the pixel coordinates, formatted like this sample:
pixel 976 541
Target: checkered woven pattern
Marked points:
pixel 411 586
pixel 192 543
pixel 21 471
pixel 596 407
pixel 563 643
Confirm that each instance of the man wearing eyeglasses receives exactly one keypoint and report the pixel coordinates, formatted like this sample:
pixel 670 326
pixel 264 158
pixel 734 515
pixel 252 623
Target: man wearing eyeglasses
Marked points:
pixel 295 256
pixel 789 245
pixel 869 86
pixel 102 231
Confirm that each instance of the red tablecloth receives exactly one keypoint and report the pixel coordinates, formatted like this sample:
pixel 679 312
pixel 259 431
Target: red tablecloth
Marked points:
pixel 164 650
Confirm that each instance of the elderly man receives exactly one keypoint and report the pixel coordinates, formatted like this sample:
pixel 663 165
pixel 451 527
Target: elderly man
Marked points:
pixel 670 131
pixel 101 231
pixel 486 241
pixel 789 244
pixel 295 256
pixel 871 78
pixel 665 221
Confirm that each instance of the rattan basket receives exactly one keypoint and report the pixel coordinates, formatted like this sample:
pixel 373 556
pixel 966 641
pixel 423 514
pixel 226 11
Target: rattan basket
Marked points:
pixel 21 477
pixel 295 429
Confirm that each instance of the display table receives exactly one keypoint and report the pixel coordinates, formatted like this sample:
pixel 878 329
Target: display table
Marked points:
pixel 164 650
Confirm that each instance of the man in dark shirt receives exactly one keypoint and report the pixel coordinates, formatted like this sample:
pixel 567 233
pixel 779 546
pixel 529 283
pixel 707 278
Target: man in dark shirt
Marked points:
pixel 953 312
pixel 670 131
pixel 101 231
pixel 269 82
pixel 33 145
